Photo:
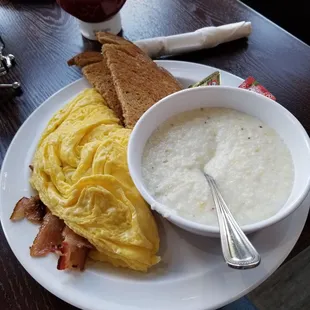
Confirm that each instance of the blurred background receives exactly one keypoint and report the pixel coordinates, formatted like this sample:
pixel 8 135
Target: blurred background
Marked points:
pixel 290 15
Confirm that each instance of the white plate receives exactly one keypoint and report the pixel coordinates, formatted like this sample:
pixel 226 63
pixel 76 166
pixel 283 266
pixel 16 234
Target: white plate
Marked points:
pixel 192 274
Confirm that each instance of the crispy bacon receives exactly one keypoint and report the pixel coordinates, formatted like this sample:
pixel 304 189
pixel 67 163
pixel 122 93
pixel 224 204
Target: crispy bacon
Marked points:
pixel 31 208
pixel 19 209
pixel 74 251
pixel 49 236
pixel 53 236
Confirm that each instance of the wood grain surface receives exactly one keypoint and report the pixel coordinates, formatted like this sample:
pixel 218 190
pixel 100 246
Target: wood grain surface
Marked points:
pixel 43 38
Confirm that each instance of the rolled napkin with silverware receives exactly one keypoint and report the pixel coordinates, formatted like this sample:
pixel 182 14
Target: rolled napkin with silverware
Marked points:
pixel 202 38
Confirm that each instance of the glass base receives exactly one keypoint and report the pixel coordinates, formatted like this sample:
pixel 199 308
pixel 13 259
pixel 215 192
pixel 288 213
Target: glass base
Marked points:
pixel 112 25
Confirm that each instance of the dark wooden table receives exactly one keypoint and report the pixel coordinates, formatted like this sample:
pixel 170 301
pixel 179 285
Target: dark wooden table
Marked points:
pixel 43 38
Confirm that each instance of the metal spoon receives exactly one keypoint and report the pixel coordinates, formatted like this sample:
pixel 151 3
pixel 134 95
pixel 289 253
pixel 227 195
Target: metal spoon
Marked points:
pixel 237 249
pixel 14 85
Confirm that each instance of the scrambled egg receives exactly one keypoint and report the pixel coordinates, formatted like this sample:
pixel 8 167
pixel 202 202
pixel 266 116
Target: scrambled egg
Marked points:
pixel 80 171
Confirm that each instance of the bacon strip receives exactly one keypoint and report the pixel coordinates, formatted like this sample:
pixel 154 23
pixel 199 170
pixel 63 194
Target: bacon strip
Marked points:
pixel 31 208
pixel 53 236
pixel 74 251
pixel 49 236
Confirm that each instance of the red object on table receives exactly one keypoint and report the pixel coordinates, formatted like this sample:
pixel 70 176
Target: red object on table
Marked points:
pixel 92 11
pixel 251 84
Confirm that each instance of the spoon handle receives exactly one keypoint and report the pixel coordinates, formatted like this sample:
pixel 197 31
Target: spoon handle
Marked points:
pixel 14 85
pixel 237 249
pixel 6 85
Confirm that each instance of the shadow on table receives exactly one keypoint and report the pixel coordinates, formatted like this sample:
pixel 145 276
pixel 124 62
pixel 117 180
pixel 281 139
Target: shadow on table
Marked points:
pixel 240 304
pixel 10 113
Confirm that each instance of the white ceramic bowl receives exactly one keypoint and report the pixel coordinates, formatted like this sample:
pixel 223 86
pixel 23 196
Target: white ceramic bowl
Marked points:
pixel 267 110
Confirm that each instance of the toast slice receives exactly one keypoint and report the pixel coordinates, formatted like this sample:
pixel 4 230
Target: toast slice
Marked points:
pixel 128 47
pixel 99 76
pixel 86 58
pixel 109 38
pixel 138 81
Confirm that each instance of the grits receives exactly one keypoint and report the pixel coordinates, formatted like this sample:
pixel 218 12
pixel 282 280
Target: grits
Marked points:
pixel 250 162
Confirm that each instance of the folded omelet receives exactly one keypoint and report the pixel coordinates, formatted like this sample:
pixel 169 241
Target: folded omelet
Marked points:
pixel 80 172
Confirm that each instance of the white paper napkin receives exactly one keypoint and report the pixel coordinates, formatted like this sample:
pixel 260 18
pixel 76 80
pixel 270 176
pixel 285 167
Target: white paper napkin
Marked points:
pixel 192 41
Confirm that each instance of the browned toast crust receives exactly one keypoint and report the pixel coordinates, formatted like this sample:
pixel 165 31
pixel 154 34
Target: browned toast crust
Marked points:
pixel 108 38
pixel 84 59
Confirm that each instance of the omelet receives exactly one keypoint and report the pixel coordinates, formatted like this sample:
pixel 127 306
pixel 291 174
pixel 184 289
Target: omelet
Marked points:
pixel 80 172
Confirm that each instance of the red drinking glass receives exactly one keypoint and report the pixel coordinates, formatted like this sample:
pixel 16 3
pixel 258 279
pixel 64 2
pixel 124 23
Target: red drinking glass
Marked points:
pixel 95 15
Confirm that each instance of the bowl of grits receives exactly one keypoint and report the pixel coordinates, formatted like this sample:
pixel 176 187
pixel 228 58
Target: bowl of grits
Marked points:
pixel 256 150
